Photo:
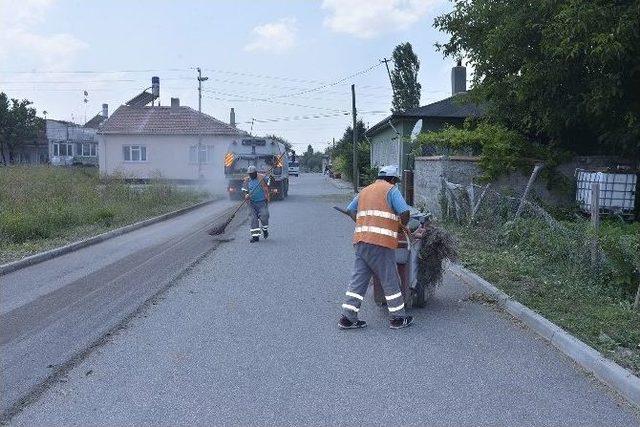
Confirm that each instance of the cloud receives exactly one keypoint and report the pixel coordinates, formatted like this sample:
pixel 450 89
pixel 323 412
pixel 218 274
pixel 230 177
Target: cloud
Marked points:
pixel 274 37
pixel 369 18
pixel 19 20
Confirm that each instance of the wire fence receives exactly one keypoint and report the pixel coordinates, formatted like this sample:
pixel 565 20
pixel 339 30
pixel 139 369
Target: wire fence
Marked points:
pixel 576 247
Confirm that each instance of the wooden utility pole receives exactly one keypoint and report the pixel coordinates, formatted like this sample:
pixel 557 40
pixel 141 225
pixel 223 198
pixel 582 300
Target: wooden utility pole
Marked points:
pixel 200 80
pixel 355 139
pixel 386 63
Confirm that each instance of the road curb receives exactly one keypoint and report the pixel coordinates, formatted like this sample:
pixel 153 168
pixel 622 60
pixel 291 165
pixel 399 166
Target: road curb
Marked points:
pixel 607 371
pixel 62 250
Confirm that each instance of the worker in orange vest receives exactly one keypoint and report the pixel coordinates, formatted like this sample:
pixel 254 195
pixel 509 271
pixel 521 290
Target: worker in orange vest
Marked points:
pixel 379 212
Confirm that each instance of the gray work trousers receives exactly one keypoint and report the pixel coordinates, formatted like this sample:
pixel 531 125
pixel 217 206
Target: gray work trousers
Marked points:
pixel 374 259
pixel 259 214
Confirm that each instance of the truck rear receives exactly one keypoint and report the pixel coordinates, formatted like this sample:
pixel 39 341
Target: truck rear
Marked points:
pixel 268 156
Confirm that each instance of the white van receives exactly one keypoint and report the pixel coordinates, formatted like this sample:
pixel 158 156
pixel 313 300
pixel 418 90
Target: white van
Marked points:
pixel 294 168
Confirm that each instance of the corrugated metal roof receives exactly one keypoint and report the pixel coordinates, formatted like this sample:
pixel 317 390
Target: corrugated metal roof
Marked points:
pixel 156 120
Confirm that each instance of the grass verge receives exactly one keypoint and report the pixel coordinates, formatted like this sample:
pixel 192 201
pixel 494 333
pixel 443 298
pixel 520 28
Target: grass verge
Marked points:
pixel 548 273
pixel 45 207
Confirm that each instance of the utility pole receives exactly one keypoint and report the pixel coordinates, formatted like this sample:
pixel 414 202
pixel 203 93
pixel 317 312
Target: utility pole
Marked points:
pixel 386 63
pixel 355 139
pixel 200 80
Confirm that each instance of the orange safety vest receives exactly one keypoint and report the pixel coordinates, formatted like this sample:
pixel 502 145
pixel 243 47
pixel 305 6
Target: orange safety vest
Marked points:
pixel 376 222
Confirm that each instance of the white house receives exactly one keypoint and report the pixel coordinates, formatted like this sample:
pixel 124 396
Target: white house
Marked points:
pixel 173 142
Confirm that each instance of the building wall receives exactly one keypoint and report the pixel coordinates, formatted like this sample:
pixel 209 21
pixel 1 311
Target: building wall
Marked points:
pixel 64 132
pixel 167 156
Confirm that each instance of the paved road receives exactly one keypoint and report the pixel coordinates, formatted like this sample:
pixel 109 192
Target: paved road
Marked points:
pixel 53 311
pixel 249 337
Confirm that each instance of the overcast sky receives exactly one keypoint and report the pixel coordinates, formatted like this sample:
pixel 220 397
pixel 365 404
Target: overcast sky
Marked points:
pixel 287 64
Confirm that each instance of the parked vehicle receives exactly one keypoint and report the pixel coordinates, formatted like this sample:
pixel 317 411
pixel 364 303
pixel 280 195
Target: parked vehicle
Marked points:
pixel 268 156
pixel 294 168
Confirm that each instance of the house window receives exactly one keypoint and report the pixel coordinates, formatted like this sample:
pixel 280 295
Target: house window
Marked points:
pixel 62 149
pixel 89 150
pixel 134 153
pixel 204 155
pixel 94 150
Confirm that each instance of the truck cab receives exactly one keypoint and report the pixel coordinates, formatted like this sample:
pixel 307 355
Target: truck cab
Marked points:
pixel 268 156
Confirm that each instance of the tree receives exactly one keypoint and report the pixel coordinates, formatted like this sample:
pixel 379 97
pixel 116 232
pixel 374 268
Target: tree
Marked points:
pixel 343 154
pixel 564 74
pixel 18 125
pixel 404 78
pixel 311 161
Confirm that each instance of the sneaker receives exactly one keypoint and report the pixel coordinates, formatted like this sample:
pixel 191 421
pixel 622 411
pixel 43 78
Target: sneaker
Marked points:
pixel 254 239
pixel 345 323
pixel 400 322
pixel 265 234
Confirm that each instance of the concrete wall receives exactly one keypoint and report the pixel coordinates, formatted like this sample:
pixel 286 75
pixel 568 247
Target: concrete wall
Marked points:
pixel 428 175
pixel 167 156
pixel 463 170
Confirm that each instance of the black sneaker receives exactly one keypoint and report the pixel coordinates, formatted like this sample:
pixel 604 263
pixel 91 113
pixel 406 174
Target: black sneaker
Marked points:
pixel 400 322
pixel 345 323
pixel 265 234
pixel 254 239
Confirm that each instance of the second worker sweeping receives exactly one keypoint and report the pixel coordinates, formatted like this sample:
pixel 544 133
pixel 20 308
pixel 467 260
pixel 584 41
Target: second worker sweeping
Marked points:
pixel 257 193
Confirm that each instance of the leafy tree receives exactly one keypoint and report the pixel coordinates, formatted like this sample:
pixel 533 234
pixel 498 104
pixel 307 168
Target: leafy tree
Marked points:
pixel 18 125
pixel 311 161
pixel 563 73
pixel 343 155
pixel 404 78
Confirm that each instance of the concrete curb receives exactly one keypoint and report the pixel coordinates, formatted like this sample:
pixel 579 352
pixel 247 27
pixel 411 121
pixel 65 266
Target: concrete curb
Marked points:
pixel 56 252
pixel 612 374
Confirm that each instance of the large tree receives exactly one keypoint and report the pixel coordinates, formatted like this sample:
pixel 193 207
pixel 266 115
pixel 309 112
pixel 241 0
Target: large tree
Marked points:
pixel 404 78
pixel 18 125
pixel 342 153
pixel 311 160
pixel 562 72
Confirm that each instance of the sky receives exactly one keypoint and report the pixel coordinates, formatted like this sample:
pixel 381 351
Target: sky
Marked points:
pixel 286 66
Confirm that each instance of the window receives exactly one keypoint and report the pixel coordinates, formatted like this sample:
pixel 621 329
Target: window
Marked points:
pixel 94 150
pixel 62 149
pixel 202 156
pixel 134 153
pixel 88 149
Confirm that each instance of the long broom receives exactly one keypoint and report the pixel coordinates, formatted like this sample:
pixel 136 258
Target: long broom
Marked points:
pixel 220 229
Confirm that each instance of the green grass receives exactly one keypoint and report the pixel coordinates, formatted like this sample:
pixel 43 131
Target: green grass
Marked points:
pixel 43 207
pixel 549 271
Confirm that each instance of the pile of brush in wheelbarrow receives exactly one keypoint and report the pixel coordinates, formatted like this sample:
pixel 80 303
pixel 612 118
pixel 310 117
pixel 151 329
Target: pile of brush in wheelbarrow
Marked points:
pixel 421 258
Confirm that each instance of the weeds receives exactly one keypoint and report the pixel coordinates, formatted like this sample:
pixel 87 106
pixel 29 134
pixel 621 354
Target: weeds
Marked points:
pixel 41 205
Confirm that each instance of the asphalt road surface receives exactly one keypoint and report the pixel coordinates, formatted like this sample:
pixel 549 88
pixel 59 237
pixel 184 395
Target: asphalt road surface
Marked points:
pixel 249 337
pixel 53 311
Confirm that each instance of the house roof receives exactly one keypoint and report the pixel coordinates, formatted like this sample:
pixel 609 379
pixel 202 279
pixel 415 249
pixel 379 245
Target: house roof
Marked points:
pixel 448 108
pixel 156 120
pixel 95 121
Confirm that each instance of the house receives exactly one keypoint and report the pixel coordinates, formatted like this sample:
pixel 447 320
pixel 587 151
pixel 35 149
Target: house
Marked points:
pixel 71 143
pixel 391 137
pixel 175 142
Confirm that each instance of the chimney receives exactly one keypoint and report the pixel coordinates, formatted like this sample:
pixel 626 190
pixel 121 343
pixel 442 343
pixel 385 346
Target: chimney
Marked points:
pixel 155 87
pixel 458 78
pixel 105 111
pixel 175 102
pixel 232 118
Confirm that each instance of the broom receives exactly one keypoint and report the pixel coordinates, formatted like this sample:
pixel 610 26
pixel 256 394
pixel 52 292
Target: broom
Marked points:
pixel 220 229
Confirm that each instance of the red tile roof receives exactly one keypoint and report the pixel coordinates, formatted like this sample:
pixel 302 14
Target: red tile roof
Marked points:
pixel 155 120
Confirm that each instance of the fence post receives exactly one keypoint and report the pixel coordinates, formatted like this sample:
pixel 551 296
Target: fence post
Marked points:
pixel 636 304
pixel 595 223
pixel 536 170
